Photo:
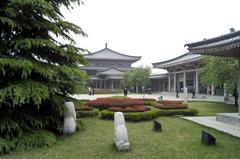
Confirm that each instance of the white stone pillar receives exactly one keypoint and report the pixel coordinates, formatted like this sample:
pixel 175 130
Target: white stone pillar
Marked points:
pixel 238 87
pixel 169 82
pixel 212 90
pixel 184 79
pixel 175 82
pixel 105 84
pixel 197 83
pixel 112 84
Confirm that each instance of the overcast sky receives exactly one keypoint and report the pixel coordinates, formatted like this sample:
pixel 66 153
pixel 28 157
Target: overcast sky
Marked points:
pixel 154 29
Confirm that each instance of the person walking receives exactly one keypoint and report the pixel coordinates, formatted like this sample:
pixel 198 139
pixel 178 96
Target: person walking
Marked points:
pixel 193 94
pixel 125 91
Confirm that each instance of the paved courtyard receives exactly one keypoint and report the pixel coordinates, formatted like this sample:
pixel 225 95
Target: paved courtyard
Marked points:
pixel 210 121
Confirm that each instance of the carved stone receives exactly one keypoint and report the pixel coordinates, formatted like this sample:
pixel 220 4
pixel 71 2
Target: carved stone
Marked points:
pixel 121 134
pixel 69 124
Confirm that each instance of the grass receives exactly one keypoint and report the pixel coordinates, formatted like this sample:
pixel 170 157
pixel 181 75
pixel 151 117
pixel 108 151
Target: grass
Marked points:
pixel 180 139
pixel 211 108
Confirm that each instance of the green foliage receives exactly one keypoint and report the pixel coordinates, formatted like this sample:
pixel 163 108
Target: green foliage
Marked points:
pixel 150 103
pixel 83 114
pixel 133 116
pixel 220 71
pixel 34 138
pixel 186 112
pixel 137 77
pixel 154 112
pixel 37 73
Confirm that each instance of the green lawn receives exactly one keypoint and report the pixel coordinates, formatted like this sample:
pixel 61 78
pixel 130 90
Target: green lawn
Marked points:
pixel 180 139
pixel 211 108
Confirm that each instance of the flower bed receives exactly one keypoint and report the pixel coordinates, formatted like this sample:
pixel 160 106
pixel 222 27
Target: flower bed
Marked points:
pixel 170 105
pixel 104 103
pixel 129 109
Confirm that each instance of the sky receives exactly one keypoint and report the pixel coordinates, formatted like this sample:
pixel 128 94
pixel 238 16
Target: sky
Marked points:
pixel 154 29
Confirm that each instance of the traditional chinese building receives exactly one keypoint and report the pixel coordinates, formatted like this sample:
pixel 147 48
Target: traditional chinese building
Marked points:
pixel 227 45
pixel 106 67
pixel 183 71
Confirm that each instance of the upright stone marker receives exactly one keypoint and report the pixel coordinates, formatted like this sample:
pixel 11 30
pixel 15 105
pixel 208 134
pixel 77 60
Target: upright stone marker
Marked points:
pixel 185 94
pixel 69 124
pixel 121 135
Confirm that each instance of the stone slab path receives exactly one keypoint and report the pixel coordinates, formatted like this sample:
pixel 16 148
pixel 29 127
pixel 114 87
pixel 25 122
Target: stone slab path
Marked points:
pixel 211 122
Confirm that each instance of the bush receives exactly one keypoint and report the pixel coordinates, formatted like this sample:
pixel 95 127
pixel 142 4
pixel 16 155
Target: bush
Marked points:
pixel 83 114
pixel 175 106
pixel 135 116
pixel 104 103
pixel 129 109
pixel 84 108
pixel 187 112
pixel 150 103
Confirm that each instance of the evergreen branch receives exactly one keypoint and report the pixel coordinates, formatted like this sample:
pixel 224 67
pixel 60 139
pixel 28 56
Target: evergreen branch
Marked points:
pixel 25 92
pixel 8 21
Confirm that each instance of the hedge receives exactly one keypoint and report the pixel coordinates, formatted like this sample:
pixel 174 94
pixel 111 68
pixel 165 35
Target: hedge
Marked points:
pixel 187 112
pixel 83 114
pixel 139 116
pixel 150 103
pixel 134 116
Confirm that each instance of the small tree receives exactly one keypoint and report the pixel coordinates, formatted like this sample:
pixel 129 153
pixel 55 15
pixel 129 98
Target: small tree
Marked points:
pixel 137 77
pixel 220 71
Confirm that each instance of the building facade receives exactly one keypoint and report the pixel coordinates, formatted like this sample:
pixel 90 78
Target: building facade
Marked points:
pixel 106 67
pixel 183 71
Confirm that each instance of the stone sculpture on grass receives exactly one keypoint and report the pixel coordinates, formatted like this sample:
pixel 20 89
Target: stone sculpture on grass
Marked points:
pixel 121 134
pixel 69 124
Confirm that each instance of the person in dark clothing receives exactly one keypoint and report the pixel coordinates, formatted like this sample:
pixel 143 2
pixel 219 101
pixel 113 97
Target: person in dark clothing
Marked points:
pixel 93 91
pixel 177 96
pixel 125 91
pixel 235 94
pixel 193 94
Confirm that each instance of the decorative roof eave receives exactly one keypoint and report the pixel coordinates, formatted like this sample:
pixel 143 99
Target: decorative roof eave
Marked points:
pixel 131 58
pixel 226 45
pixel 227 50
pixel 158 76
pixel 104 72
pixel 223 38
pixel 166 65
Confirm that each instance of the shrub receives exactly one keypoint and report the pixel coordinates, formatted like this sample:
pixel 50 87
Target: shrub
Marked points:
pixel 133 116
pixel 150 103
pixel 129 109
pixel 104 103
pixel 188 112
pixel 169 102
pixel 83 114
pixel 84 108
pixel 174 106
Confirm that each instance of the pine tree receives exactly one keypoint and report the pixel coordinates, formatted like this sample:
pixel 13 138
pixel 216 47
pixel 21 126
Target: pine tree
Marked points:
pixel 37 73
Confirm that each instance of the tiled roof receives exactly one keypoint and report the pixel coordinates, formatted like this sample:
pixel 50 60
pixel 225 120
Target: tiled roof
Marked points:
pixel 185 58
pixel 158 76
pixel 109 54
pixel 225 45
pixel 110 71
